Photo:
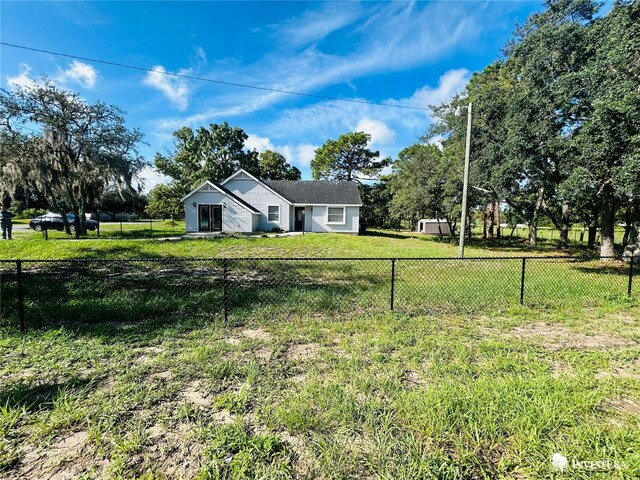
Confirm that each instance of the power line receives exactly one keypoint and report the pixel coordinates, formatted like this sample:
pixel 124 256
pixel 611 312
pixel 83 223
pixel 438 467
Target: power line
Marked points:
pixel 211 80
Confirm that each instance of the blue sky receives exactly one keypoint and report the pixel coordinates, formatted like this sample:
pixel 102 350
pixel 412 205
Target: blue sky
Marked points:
pixel 407 53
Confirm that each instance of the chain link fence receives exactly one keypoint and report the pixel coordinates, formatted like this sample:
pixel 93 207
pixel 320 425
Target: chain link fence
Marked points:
pixel 39 293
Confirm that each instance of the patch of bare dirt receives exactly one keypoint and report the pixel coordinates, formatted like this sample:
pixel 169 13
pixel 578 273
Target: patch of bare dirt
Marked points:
pixel 232 341
pixel 66 457
pixel 193 394
pixel 559 369
pixel 164 375
pixel 256 334
pixel 299 378
pixel 223 417
pixel 413 379
pixel 146 354
pixel 622 405
pixel 617 372
pixel 152 350
pixel 263 354
pixel 302 351
pixel 108 383
pixel 303 461
pixel 173 453
pixel 557 337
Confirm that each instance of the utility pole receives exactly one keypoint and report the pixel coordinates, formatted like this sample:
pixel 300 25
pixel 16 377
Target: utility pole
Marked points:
pixel 465 187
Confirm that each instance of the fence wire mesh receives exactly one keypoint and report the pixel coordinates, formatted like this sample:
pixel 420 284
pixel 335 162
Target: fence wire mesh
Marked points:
pixel 42 293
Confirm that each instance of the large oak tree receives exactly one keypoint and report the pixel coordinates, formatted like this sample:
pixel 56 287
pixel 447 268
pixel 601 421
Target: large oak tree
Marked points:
pixel 83 148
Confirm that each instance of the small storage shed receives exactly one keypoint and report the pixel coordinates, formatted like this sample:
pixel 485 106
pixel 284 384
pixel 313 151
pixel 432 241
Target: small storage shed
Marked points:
pixel 430 226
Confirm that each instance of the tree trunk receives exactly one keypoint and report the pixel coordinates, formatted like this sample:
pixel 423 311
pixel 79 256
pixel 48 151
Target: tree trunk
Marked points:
pixel 533 224
pixel 564 231
pixel 491 220
pixel 608 220
pixel 452 228
pixel 591 239
pixel 628 227
pixel 496 213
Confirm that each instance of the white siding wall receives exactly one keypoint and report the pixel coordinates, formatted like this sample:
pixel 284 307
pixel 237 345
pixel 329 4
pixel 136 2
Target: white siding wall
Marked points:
pixel 235 218
pixel 319 220
pixel 260 197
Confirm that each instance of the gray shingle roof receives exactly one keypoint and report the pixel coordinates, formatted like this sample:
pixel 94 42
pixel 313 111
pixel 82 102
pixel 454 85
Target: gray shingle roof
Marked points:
pixel 317 192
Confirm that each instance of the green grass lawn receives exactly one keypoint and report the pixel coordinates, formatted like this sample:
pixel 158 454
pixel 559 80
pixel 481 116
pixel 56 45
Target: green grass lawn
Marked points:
pixel 382 396
pixel 377 243
pixel 128 369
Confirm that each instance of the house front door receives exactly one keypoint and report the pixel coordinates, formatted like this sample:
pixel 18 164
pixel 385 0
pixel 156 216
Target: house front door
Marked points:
pixel 298 223
pixel 209 218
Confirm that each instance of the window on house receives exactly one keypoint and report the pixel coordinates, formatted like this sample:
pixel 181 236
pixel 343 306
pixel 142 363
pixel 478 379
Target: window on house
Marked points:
pixel 335 215
pixel 274 213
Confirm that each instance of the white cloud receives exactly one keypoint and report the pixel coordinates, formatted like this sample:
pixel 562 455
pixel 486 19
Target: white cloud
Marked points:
pixel 22 80
pixel 313 26
pixel 380 133
pixel 450 83
pixel 81 73
pixel 174 88
pixel 200 53
pixel 149 178
pixel 255 142
pixel 299 154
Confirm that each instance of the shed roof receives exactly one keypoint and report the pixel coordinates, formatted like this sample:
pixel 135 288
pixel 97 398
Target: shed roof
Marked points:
pixel 317 192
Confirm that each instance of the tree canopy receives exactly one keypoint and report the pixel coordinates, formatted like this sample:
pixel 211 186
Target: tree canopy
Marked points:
pixel 83 148
pixel 206 154
pixel 347 158
pixel 556 120
pixel 274 166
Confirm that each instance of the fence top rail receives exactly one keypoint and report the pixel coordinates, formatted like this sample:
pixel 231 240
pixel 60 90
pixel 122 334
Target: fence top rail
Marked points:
pixel 298 259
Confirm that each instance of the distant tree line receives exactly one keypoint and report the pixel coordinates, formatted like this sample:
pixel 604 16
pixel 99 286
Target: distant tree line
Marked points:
pixel 555 130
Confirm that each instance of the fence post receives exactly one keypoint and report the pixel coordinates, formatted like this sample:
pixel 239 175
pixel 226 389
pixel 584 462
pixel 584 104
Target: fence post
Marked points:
pixel 224 289
pixel 393 280
pixel 630 275
pixel 120 228
pixel 524 267
pixel 20 294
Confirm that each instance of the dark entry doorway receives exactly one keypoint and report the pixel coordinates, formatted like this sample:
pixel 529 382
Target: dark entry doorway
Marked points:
pixel 298 224
pixel 209 218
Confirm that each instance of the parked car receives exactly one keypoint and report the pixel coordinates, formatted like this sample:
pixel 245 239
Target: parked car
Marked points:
pixel 53 221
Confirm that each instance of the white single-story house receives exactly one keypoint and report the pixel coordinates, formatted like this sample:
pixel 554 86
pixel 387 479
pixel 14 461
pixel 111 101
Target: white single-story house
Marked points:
pixel 433 226
pixel 242 203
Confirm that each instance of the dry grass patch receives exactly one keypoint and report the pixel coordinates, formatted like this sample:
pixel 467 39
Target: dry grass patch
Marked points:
pixel 256 334
pixel 193 394
pixel 413 379
pixel 302 351
pixel 66 457
pixel 232 341
pixel 560 369
pixel 556 337
pixel 624 405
